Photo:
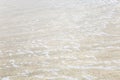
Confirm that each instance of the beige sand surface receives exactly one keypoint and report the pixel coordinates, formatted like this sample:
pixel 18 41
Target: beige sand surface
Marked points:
pixel 59 40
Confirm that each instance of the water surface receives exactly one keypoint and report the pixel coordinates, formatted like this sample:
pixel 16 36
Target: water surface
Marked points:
pixel 59 40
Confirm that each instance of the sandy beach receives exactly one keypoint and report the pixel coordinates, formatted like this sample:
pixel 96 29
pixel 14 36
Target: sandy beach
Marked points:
pixel 59 40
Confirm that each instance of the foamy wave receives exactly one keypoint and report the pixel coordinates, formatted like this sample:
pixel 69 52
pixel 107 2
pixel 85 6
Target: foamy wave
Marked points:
pixel 100 1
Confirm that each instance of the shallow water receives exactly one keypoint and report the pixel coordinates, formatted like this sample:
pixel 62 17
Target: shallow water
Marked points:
pixel 60 40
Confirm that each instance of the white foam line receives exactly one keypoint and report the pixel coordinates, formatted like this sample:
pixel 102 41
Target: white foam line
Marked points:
pixel 5 78
pixel 94 67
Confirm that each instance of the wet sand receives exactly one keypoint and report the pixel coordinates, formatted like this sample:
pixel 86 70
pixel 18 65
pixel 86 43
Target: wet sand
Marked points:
pixel 59 40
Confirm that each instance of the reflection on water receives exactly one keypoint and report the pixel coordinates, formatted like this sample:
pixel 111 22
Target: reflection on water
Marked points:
pixel 59 40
